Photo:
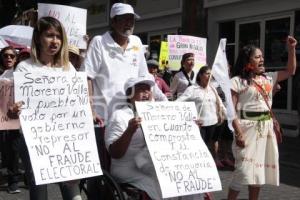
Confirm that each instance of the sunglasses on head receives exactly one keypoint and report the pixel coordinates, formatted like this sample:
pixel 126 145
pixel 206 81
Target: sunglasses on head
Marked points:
pixel 6 55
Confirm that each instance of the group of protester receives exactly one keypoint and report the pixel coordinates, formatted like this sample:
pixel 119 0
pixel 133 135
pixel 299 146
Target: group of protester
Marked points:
pixel 118 76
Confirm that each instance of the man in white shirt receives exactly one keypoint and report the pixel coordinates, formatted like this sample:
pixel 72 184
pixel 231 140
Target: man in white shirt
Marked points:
pixel 113 58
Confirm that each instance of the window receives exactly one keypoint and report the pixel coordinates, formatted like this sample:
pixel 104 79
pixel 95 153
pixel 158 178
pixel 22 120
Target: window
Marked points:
pixel 280 98
pixel 296 78
pixel 276 32
pixel 227 30
pixel 249 34
pixel 270 35
pixel 275 53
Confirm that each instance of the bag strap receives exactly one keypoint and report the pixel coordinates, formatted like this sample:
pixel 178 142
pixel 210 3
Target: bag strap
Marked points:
pixel 187 77
pixel 218 101
pixel 265 96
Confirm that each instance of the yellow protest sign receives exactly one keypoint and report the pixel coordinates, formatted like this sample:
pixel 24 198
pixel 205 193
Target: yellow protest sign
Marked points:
pixel 164 55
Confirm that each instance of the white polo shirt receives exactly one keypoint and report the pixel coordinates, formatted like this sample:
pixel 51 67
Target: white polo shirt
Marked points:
pixel 109 66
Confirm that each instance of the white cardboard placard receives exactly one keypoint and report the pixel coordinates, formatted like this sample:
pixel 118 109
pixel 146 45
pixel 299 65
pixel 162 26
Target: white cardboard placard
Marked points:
pixel 73 19
pixel 183 163
pixel 57 124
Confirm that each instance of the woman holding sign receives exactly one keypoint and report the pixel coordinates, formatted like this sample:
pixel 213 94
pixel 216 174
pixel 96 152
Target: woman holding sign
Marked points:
pixel 124 139
pixel 255 148
pixel 49 52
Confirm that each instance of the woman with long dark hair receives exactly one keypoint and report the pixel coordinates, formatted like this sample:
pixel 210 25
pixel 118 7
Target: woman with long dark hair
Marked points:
pixel 255 148
pixel 49 53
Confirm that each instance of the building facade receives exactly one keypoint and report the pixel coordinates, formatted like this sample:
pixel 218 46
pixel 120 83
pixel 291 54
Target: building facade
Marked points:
pixel 265 23
pixel 159 18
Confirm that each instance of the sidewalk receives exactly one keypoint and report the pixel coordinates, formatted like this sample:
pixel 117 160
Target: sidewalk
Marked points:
pixel 289 188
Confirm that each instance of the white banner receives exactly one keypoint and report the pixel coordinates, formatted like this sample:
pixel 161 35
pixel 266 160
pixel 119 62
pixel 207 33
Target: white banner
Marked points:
pixel 183 163
pixel 181 44
pixel 220 72
pixel 73 19
pixel 57 124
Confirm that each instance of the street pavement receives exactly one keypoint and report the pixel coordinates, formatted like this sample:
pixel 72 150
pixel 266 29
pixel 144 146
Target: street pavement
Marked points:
pixel 289 188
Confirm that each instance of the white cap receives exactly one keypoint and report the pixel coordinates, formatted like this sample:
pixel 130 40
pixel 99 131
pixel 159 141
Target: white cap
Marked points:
pixel 147 79
pixel 121 9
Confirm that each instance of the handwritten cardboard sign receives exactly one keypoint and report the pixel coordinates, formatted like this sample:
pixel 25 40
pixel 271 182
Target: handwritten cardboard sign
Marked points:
pixel 6 100
pixel 181 44
pixel 72 18
pixel 183 163
pixel 57 123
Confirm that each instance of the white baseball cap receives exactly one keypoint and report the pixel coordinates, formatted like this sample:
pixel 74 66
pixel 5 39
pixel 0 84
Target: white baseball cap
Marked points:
pixel 147 79
pixel 121 9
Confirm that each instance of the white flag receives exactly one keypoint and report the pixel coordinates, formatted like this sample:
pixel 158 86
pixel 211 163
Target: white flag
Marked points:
pixel 221 74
